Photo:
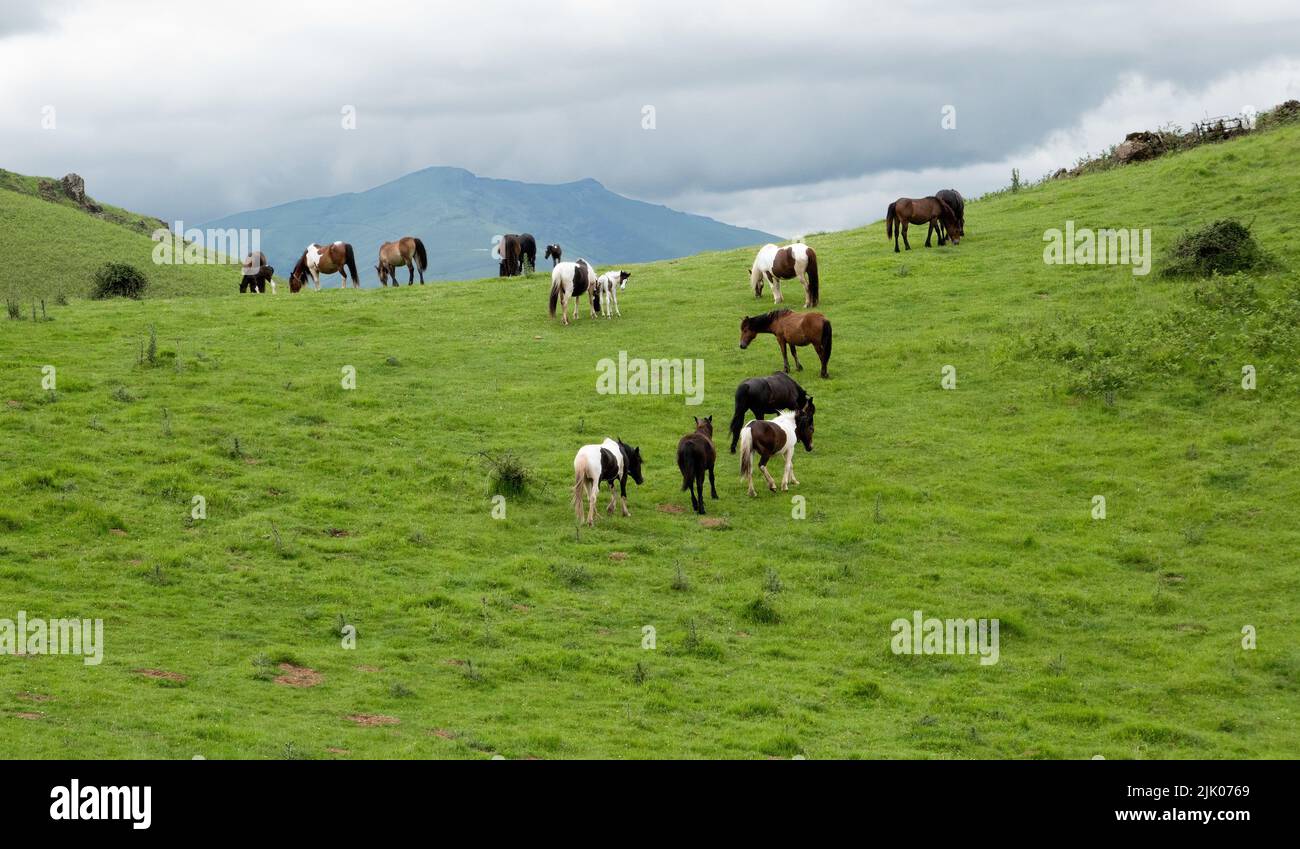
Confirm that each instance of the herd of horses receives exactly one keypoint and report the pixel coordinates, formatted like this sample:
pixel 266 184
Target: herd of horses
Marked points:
pixel 613 461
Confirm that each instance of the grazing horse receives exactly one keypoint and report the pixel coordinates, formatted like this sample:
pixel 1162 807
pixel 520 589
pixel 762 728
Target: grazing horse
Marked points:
pixel 256 274
pixel 408 251
pixel 572 280
pixel 612 460
pixel 553 254
pixel 957 203
pixel 775 437
pixel 695 456
pixel 607 286
pixel 775 264
pixel 793 329
pixel 929 210
pixel 527 253
pixel 337 258
pixel 509 249
pixel 763 395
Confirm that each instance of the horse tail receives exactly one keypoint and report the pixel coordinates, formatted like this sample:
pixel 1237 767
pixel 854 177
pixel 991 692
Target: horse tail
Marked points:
pixel 579 477
pixel 421 255
pixel 555 293
pixel 739 418
pixel 889 220
pixel 813 292
pixel 746 449
pixel 351 259
pixel 826 338
pixel 684 463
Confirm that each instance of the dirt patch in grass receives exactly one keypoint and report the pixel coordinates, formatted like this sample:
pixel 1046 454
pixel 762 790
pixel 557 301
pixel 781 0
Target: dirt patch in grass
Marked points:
pixel 333 750
pixel 368 669
pixel 117 532
pixel 443 733
pixel 161 674
pixel 34 697
pixel 298 676
pixel 370 719
pixel 29 714
pixel 618 555
pixel 709 522
pixel 670 508
pixel 338 532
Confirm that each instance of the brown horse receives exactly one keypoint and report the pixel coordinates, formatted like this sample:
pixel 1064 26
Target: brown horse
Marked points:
pixel 256 274
pixel 929 210
pixel 407 251
pixel 779 436
pixel 695 456
pixel 792 329
pixel 337 258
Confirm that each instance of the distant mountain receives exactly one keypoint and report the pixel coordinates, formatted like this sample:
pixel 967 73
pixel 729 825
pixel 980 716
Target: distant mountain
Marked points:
pixel 456 214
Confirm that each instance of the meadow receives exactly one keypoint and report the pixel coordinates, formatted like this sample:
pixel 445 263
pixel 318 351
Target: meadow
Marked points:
pixel 330 508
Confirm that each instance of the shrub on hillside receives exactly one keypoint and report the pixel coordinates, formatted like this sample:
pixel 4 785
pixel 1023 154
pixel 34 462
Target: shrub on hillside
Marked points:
pixel 118 280
pixel 1224 247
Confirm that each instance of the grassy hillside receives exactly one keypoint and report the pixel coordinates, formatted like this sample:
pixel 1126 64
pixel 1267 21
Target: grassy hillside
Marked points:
pixel 370 507
pixel 52 247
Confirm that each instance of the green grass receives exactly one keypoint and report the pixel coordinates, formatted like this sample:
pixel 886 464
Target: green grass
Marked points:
pixel 522 636
pixel 51 247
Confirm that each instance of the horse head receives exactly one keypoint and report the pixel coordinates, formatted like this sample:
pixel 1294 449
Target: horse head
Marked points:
pixel 632 464
pixel 747 332
pixel 704 426
pixel 622 279
pixel 803 424
pixel 950 220
pixel 383 273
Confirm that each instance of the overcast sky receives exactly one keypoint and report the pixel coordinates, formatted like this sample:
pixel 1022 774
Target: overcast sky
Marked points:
pixel 790 117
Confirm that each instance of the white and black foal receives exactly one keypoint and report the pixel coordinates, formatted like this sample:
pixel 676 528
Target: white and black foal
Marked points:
pixel 607 286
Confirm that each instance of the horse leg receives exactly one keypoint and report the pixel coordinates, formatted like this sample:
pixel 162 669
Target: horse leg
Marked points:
pixel 789 467
pixel 613 498
pixel 713 490
pixel 613 296
pixel 821 355
pixel 785 358
pixel 807 299
pixel 749 479
pixel 762 467
pixel 929 231
pixel 776 291
pixel 699 485
pixel 898 227
pixel 906 243
pixel 591 503
pixel 622 494
pixel 794 352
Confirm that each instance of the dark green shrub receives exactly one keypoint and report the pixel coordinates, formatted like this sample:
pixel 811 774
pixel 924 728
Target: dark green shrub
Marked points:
pixel 1224 247
pixel 118 280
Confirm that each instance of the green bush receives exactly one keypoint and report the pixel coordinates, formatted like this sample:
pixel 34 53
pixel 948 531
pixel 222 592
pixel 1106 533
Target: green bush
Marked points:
pixel 1224 247
pixel 118 280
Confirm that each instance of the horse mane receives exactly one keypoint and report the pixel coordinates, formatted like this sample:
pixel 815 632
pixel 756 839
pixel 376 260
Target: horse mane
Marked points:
pixel 763 323
pixel 301 267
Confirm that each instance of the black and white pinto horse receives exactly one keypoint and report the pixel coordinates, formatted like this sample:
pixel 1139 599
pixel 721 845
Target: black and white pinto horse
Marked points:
pixel 570 281
pixel 607 286
pixel 764 395
pixel 611 461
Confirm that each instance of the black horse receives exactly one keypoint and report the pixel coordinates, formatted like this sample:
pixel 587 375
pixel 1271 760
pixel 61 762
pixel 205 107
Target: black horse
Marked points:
pixel 256 273
pixel 763 395
pixel 553 254
pixel 510 247
pixel 953 198
pixel 527 253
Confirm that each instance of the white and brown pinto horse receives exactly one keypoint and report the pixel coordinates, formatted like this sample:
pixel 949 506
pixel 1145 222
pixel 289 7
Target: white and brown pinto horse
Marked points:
pixel 407 251
pixel 769 438
pixel 612 461
pixel 775 264
pixel 570 281
pixel 607 286
pixel 316 260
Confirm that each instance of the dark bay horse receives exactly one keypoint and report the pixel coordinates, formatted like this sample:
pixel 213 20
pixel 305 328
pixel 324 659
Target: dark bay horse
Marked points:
pixel 930 210
pixel 408 251
pixel 337 258
pixel 510 248
pixel 953 198
pixel 256 274
pixel 695 456
pixel 792 329
pixel 764 395
pixel 553 254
